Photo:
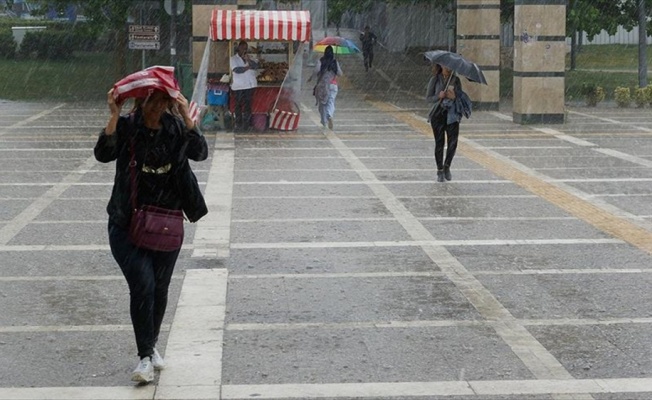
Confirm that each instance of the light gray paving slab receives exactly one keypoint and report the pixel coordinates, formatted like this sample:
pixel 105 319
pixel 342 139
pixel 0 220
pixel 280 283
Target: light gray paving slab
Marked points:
pixel 10 209
pixel 350 356
pixel 573 295
pixel 307 208
pixel 68 359
pixel 58 263
pixel 267 190
pixel 317 231
pixel 62 234
pixel 346 300
pixel 551 256
pixel 295 176
pixel 487 207
pixel 282 143
pixel 599 351
pixel 267 164
pixel 501 188
pixel 637 205
pixel 597 161
pixel 72 209
pixel 600 173
pixel 413 161
pixel 289 152
pixel 30 164
pixel 324 260
pixel 100 192
pixel 58 302
pixel 450 397
pixel 31 177
pixel 23 191
pixel 519 229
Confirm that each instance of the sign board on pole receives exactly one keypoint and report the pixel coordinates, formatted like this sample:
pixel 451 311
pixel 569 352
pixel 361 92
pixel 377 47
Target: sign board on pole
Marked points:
pixel 144 37
pixel 141 45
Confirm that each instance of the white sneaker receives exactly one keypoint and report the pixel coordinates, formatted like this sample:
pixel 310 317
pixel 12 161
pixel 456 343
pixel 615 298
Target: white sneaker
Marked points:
pixel 157 361
pixel 144 372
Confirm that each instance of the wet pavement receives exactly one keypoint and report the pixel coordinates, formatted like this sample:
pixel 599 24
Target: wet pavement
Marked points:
pixel 334 266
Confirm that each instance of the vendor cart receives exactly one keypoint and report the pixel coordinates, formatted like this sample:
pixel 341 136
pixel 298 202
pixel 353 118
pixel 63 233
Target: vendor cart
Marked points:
pixel 273 38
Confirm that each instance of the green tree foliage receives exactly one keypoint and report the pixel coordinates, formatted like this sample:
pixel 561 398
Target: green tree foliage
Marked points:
pixel 591 16
pixel 106 14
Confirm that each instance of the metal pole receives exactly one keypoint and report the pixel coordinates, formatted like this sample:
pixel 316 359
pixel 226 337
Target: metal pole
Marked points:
pixel 642 45
pixel 325 18
pixel 142 22
pixel 173 32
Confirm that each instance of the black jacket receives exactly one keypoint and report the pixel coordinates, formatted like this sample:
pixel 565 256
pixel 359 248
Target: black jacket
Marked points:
pixel 183 143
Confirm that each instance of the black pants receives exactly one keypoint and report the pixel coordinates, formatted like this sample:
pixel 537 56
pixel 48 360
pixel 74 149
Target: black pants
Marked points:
pixel 148 275
pixel 450 132
pixel 368 58
pixel 243 99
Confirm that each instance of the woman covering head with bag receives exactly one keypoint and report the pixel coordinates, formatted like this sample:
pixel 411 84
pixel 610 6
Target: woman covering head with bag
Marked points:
pixel 153 180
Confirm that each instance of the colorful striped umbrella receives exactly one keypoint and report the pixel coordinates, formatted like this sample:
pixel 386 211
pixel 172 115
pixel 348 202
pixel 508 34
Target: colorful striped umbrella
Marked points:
pixel 340 45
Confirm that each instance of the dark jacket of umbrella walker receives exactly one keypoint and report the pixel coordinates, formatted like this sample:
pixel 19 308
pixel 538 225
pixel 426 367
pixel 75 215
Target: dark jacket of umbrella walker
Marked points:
pixel 451 103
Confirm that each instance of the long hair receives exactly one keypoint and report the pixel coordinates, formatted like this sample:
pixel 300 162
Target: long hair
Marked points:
pixel 328 62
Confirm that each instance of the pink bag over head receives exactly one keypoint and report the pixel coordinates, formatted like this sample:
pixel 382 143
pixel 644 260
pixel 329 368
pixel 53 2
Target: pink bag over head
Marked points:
pixel 143 83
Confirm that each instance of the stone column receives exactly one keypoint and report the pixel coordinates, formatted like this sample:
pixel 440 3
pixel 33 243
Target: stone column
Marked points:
pixel 478 40
pixel 539 61
pixel 201 18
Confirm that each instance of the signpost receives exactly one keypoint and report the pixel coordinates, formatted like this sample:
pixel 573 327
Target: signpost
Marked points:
pixel 144 37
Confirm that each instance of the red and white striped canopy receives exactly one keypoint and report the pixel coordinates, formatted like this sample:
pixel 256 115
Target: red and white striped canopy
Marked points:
pixel 260 25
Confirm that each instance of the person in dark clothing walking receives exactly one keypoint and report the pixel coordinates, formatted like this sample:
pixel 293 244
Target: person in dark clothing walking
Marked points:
pixel 445 89
pixel 368 39
pixel 160 136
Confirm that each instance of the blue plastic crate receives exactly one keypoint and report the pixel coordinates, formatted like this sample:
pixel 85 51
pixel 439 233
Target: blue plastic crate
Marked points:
pixel 218 95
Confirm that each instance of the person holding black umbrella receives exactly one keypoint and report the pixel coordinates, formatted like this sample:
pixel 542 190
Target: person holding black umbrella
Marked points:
pixel 445 90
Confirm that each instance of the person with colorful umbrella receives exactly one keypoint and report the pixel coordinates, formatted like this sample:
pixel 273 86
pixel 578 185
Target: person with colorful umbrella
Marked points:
pixel 151 146
pixel 327 70
pixel 339 45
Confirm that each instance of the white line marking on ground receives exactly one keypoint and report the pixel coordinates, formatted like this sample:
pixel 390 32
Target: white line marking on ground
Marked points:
pixel 613 121
pixel 71 328
pixel 194 347
pixel 30 119
pixel 473 389
pixel 625 156
pixel 281 326
pixel 338 275
pixel 299 245
pixel 423 243
pixel 79 393
pixel 213 232
pixel 10 230
pixel 532 353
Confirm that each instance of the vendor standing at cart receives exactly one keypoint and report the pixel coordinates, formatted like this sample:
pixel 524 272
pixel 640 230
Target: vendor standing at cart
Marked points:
pixel 243 70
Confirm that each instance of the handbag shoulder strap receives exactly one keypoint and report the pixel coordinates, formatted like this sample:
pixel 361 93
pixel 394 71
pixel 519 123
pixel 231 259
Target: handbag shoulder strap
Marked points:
pixel 132 164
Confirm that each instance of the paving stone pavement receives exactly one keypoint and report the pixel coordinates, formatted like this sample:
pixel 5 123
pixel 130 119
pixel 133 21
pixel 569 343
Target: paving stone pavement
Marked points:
pixel 334 266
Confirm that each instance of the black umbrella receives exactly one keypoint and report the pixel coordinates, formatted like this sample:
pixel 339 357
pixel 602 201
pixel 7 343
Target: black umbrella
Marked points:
pixel 457 64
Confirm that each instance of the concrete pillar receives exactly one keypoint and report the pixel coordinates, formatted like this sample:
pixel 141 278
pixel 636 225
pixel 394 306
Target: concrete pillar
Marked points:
pixel 539 61
pixel 201 18
pixel 478 40
pixel 246 4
